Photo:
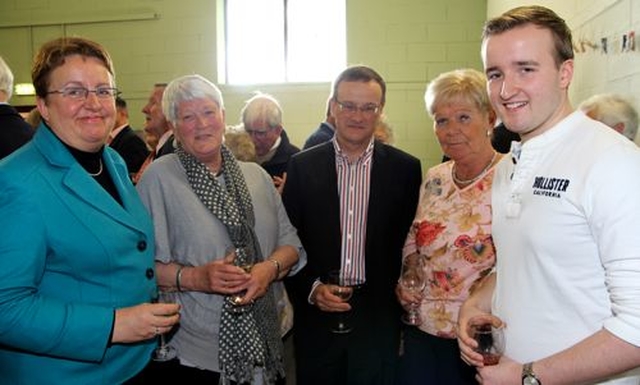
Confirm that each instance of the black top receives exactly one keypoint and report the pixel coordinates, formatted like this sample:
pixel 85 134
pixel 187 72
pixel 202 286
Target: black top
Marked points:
pixel 14 130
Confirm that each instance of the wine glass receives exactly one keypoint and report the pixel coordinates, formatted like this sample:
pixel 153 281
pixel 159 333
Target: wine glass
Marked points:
pixel 413 280
pixel 490 340
pixel 163 352
pixel 242 261
pixel 343 287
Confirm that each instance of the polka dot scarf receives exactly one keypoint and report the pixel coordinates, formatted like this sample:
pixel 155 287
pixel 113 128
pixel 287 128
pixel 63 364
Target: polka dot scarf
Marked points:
pixel 251 338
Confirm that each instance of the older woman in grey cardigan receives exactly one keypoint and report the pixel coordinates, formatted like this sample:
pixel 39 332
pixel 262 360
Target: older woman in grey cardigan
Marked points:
pixel 214 215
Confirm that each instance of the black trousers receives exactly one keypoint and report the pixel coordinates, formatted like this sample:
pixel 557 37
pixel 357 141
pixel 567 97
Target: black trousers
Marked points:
pixel 158 373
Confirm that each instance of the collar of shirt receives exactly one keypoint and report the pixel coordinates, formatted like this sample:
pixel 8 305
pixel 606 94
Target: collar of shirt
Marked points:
pixel 341 157
pixel 115 132
pixel 267 157
pixel 163 139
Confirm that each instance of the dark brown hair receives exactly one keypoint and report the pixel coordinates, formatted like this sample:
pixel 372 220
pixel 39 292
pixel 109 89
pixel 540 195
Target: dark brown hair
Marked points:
pixel 359 73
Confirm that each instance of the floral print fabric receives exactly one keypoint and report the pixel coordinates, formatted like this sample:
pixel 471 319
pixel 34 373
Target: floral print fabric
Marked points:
pixel 452 229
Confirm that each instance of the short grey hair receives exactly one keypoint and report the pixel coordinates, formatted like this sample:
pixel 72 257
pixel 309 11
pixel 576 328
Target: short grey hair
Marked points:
pixel 6 79
pixel 612 109
pixel 262 106
pixel 187 88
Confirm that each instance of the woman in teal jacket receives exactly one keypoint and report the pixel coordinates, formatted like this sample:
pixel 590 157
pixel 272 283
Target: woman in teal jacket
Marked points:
pixel 76 256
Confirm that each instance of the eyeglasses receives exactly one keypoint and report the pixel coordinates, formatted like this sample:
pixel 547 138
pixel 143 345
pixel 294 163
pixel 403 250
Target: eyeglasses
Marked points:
pixel 81 93
pixel 258 133
pixel 351 108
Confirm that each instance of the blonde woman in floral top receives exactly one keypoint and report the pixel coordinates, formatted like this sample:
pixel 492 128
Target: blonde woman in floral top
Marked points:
pixel 452 227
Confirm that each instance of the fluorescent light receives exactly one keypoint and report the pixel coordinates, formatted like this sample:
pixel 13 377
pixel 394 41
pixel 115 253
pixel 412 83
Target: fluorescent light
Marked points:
pixel 24 89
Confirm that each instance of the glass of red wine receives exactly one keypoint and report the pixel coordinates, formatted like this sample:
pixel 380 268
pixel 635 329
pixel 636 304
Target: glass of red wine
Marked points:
pixel 490 340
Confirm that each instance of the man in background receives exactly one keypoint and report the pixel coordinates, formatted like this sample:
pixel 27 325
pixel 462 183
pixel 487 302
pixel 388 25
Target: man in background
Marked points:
pixel 157 131
pixel 156 123
pixel 14 130
pixel 262 119
pixel 125 141
pixel 324 132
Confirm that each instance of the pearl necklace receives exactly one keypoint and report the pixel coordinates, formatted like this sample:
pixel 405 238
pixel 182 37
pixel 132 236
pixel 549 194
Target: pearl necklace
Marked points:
pixel 99 170
pixel 475 178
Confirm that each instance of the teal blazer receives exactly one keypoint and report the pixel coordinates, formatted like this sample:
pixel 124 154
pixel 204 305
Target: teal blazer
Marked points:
pixel 69 256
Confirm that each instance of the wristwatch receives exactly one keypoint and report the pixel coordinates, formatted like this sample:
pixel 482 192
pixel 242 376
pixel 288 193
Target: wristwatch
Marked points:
pixel 528 376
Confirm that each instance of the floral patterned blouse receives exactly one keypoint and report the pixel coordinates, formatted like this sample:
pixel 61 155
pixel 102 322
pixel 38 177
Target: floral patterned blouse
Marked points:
pixel 452 228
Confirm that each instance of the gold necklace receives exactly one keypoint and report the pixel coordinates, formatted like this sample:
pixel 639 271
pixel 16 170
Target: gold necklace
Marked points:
pixel 475 178
pixel 99 170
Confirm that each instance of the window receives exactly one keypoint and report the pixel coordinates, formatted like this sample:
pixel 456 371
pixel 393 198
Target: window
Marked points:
pixel 282 41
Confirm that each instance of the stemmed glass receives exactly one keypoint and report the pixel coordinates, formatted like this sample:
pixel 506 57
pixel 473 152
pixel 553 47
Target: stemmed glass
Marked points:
pixel 245 264
pixel 413 280
pixel 163 352
pixel 343 287
pixel 490 340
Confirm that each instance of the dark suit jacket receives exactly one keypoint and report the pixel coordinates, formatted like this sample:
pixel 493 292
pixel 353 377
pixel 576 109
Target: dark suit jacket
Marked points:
pixel 14 131
pixel 277 165
pixel 322 134
pixel 131 148
pixel 311 199
pixel 167 147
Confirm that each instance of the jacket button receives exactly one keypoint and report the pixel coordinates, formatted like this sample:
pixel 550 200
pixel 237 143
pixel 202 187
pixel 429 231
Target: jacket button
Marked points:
pixel 149 273
pixel 142 245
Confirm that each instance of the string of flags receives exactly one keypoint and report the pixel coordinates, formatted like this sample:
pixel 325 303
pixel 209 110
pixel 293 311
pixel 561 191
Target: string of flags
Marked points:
pixel 607 45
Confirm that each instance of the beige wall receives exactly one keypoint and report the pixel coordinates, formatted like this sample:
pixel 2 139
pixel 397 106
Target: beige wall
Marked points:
pixel 407 41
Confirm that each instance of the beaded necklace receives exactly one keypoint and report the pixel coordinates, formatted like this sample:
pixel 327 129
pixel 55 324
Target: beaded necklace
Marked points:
pixel 475 178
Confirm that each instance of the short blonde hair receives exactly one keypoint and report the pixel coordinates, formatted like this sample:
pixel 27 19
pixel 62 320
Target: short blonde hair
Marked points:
pixel 465 84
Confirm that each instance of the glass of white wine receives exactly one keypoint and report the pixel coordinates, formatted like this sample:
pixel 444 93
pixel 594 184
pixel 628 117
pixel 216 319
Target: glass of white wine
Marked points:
pixel 163 352
pixel 343 287
pixel 413 280
pixel 246 264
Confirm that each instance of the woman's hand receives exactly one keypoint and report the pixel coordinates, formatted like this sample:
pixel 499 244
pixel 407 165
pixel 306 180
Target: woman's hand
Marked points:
pixel 143 322
pixel 407 298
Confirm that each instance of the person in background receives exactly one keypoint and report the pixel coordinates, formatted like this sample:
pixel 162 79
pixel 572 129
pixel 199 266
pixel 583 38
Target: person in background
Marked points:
pixel 125 141
pixel 324 132
pixel 14 131
pixel 75 290
pixel 352 200
pixel 156 123
pixel 452 228
pixel 613 110
pixel 240 144
pixel 384 131
pixel 261 117
pixel 501 138
pixel 564 221
pixel 212 216
pixel 34 118
pixel 156 129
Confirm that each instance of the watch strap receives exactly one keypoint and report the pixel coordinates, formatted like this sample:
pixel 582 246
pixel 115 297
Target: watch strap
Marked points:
pixel 528 376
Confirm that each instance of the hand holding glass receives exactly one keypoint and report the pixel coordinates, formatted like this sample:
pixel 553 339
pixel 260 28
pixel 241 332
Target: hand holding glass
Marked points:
pixel 235 299
pixel 343 287
pixel 490 340
pixel 413 281
pixel 163 351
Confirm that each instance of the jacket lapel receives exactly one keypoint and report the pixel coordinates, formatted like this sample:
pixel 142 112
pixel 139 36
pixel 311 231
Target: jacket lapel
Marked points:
pixel 80 187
